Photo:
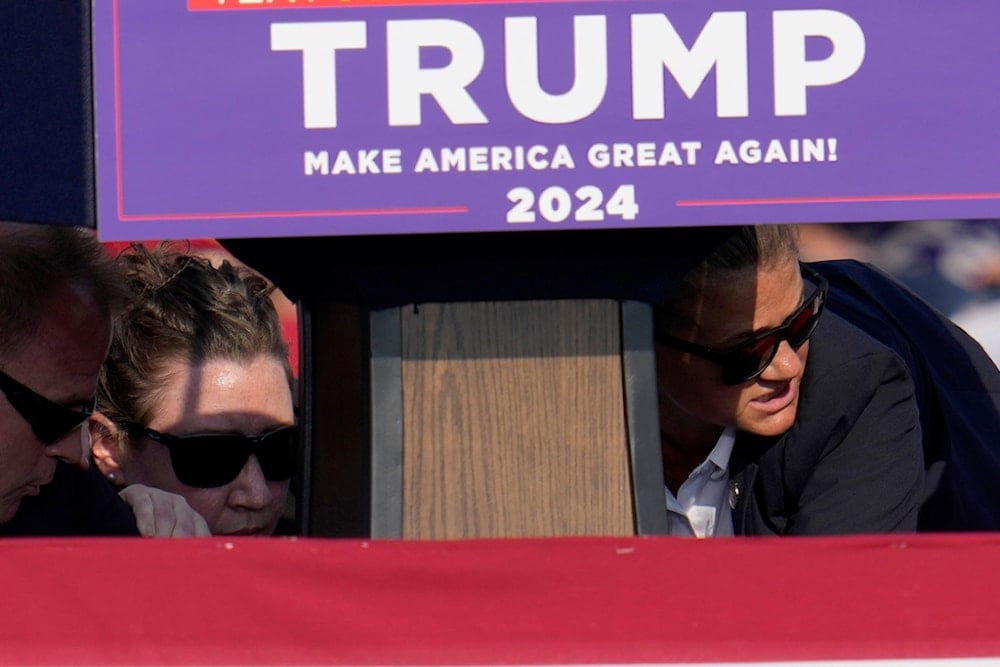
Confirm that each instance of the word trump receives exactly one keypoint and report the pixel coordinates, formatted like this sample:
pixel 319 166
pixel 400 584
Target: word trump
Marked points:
pixel 656 49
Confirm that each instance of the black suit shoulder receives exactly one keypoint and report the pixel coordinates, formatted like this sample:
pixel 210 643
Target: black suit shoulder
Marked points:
pixel 852 462
pixel 75 502
pixel 957 389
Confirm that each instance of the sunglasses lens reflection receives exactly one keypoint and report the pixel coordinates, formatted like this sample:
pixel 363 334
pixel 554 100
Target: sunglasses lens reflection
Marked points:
pixel 743 362
pixel 803 326
pixel 748 362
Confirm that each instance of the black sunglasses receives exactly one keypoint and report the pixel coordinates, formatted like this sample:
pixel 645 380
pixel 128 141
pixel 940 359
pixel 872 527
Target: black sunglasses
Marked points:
pixel 208 460
pixel 748 359
pixel 49 421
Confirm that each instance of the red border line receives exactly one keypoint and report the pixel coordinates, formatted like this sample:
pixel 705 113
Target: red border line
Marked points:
pixel 119 178
pixel 297 214
pixel 857 199
pixel 231 5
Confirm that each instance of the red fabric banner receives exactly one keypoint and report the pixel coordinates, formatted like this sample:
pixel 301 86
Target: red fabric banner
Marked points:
pixel 544 601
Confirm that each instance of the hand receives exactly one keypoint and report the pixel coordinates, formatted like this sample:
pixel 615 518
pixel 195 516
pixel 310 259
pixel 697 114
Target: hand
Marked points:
pixel 162 514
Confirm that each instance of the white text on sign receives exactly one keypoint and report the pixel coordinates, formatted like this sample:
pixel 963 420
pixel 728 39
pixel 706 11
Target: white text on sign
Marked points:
pixel 656 47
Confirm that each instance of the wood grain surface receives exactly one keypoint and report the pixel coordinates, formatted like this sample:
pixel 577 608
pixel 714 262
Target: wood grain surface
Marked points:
pixel 513 420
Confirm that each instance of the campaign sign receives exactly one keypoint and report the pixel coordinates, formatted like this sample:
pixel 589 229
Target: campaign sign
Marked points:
pixel 247 118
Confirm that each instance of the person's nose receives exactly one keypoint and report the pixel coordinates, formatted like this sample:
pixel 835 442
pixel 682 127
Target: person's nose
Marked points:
pixel 787 363
pixel 251 490
pixel 73 448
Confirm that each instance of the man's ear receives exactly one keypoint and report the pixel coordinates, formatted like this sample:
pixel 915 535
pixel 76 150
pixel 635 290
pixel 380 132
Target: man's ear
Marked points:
pixel 106 447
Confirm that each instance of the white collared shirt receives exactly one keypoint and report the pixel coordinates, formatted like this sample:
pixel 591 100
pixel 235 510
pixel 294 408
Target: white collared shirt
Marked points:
pixel 701 507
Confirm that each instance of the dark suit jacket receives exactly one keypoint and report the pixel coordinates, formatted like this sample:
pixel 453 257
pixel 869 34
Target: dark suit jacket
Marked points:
pixel 957 388
pixel 852 462
pixel 73 503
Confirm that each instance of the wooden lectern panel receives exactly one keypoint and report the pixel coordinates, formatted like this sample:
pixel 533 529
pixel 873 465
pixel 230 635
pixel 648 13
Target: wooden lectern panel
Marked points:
pixel 514 420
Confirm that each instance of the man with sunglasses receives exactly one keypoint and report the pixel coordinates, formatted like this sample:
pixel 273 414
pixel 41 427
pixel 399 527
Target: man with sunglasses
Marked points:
pixel 58 291
pixel 776 417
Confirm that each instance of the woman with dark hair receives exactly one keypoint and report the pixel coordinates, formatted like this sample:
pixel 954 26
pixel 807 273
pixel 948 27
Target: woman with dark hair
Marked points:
pixel 775 416
pixel 195 396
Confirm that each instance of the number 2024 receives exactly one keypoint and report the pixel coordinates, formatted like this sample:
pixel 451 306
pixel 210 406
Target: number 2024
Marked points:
pixel 555 204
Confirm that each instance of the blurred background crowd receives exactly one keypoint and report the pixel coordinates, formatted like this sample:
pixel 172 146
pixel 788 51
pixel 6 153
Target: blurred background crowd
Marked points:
pixel 953 264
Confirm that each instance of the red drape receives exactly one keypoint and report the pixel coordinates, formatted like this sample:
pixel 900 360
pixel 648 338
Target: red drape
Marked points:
pixel 543 601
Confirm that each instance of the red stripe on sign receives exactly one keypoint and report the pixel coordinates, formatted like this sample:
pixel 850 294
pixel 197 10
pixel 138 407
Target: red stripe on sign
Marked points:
pixel 229 215
pixel 215 5
pixel 848 199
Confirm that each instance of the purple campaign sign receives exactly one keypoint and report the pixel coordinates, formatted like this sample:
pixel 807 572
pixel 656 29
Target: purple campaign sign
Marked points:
pixel 274 118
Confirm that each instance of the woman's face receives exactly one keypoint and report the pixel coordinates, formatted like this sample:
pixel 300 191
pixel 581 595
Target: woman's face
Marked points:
pixel 219 396
pixel 726 311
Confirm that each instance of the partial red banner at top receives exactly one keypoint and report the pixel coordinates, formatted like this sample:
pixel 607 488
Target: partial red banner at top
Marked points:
pixel 211 5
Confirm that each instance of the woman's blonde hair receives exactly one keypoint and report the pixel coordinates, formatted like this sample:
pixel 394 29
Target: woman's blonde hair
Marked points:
pixel 183 309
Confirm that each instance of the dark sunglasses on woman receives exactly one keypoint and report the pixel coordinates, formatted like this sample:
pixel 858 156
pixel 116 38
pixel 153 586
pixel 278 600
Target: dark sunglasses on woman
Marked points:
pixel 49 421
pixel 747 359
pixel 208 460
